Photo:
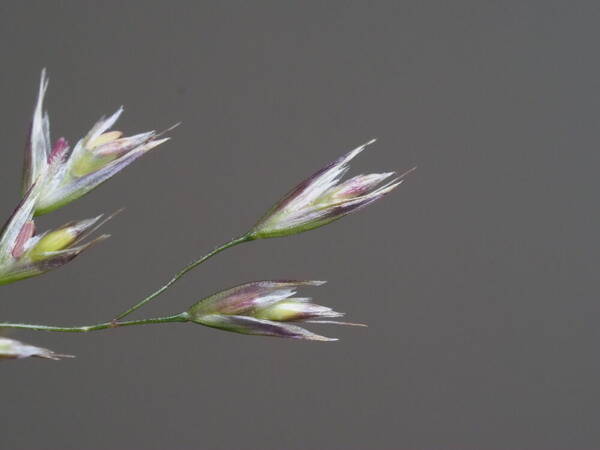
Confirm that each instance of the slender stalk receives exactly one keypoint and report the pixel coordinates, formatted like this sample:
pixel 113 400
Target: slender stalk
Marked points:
pixel 182 272
pixel 183 317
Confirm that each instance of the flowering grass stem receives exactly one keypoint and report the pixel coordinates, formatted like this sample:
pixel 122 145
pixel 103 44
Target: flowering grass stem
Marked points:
pixel 182 272
pixel 116 322
pixel 182 317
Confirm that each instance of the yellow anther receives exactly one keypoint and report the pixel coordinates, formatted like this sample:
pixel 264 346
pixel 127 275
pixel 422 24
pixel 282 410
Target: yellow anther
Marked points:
pixel 281 311
pixel 104 139
pixel 52 242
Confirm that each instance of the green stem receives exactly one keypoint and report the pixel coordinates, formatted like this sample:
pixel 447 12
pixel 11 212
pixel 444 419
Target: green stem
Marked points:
pixel 183 317
pixel 182 272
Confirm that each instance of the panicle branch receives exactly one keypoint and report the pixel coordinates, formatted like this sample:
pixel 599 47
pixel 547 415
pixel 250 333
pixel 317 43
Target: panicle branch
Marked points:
pixel 56 174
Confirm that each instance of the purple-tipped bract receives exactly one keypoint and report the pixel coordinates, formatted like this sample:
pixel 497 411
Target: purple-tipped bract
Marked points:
pixel 24 254
pixel 63 174
pixel 322 198
pixel 265 308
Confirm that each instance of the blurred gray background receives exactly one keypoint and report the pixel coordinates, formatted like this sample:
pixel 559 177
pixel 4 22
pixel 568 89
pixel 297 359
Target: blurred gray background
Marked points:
pixel 477 277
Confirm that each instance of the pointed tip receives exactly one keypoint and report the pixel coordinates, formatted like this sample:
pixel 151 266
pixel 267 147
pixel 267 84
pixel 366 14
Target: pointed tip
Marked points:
pixel 150 145
pixel 358 150
pixel 94 242
pixel 54 356
pixel 112 215
pixel 407 172
pixel 167 130
pixel 114 117
pixel 351 155
pixel 94 224
pixel 351 324
pixel 336 322
pixel 319 338
pixel 91 243
pixel 172 127
pixel 83 227
pixel 381 177
pixel 44 78
pixel 387 188
pixel 366 144
pixel 41 94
